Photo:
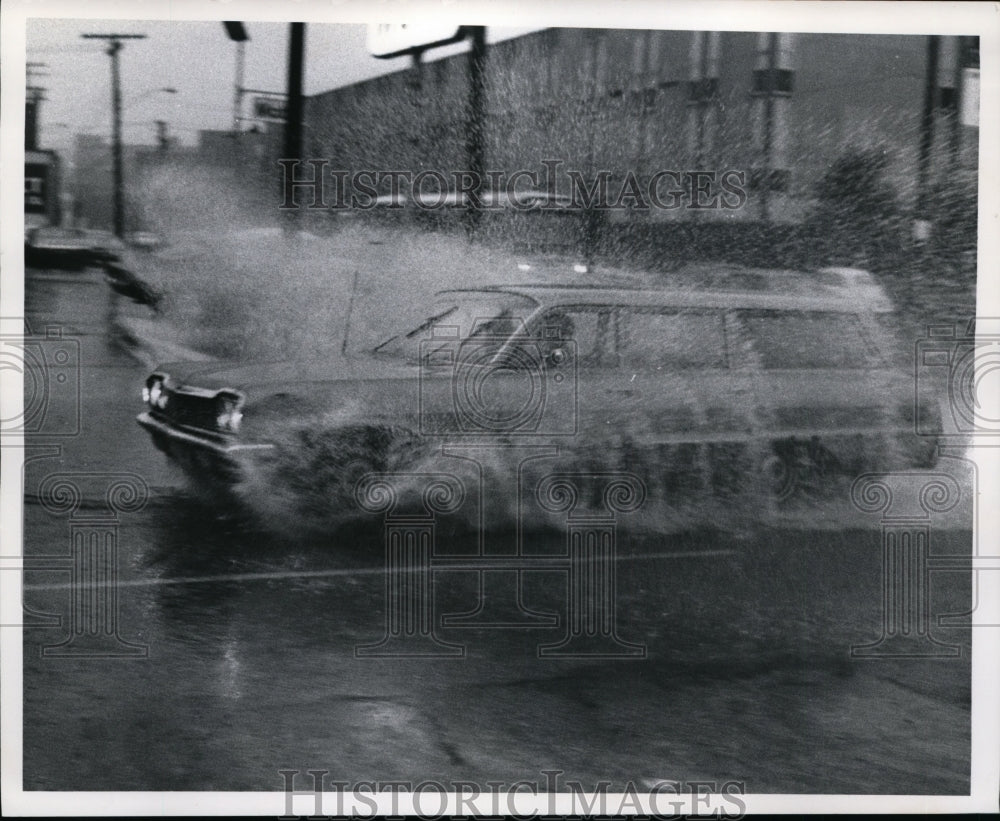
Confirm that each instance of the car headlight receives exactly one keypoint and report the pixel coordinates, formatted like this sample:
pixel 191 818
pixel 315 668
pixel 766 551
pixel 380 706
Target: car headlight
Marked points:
pixel 153 393
pixel 228 414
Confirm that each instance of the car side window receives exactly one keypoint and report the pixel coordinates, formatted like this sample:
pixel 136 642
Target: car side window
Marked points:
pixel 586 330
pixel 504 324
pixel 671 340
pixel 808 339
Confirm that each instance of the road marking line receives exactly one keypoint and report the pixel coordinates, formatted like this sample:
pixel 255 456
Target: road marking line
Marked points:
pixel 363 571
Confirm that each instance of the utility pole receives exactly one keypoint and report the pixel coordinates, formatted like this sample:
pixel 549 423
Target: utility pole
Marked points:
pixel 162 137
pixel 238 91
pixel 33 102
pixel 293 111
pixel 114 46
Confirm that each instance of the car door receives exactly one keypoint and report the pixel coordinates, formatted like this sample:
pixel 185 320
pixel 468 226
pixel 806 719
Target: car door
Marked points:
pixel 682 396
pixel 575 343
pixel 659 388
pixel 821 378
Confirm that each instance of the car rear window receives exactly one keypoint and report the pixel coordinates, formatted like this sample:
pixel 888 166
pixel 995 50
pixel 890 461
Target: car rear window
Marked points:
pixel 674 340
pixel 808 340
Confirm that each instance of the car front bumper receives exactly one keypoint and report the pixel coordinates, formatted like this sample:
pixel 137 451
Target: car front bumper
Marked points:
pixel 197 453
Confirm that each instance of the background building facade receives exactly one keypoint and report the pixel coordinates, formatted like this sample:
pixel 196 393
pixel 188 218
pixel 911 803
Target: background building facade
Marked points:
pixel 782 108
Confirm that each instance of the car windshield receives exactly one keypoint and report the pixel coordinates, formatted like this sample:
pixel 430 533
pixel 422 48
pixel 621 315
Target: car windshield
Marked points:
pixel 456 318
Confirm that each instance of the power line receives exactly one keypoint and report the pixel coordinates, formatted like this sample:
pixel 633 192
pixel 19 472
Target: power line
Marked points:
pixel 113 37
pixel 62 50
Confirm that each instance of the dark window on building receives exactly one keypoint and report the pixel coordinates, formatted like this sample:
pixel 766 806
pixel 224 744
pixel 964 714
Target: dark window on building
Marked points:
pixel 778 81
pixel 948 98
pixel 704 89
pixel 703 94
pixel 775 179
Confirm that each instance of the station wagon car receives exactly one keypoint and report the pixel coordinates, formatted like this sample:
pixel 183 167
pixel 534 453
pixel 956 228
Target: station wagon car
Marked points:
pixel 720 373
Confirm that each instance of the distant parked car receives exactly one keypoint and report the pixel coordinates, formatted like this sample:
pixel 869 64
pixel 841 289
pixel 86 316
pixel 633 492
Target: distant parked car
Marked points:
pixel 55 247
pixel 722 373
pixel 63 247
pixel 104 246
pixel 143 240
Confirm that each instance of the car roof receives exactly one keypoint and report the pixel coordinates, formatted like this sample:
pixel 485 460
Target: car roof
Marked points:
pixel 844 290
pixel 525 201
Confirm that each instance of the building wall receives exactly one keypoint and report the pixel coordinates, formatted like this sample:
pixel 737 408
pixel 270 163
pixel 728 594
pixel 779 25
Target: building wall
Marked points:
pixel 42 188
pixel 648 100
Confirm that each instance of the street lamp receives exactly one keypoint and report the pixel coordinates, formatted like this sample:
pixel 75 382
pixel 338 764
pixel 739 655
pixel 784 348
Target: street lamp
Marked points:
pixel 237 32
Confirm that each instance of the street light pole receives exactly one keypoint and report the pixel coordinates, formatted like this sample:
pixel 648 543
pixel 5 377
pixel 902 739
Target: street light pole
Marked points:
pixel 114 46
pixel 116 138
pixel 238 34
pixel 238 91
pixel 293 112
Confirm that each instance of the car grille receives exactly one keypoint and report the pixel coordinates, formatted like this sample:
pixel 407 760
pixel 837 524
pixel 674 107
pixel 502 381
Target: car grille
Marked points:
pixel 191 410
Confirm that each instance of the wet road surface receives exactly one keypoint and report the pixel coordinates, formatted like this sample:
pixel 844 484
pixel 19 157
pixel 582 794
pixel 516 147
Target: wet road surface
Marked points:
pixel 248 665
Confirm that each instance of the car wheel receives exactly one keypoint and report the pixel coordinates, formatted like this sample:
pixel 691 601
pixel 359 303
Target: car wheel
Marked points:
pixel 795 466
pixel 779 477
